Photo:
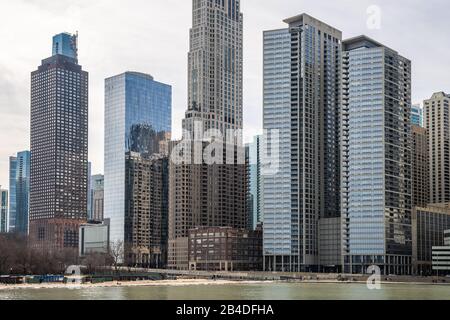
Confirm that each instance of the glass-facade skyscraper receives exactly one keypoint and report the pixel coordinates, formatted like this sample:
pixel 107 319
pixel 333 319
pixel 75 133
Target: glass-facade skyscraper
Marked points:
pixel 65 44
pixel 376 158
pixel 3 210
pixel 12 193
pixel 301 78
pixel 59 151
pixel 138 119
pixel 19 192
pixel 417 115
pixel 277 116
pixel 255 182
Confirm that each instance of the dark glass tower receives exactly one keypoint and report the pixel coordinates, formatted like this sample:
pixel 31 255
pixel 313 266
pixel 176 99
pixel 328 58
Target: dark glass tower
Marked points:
pixel 138 124
pixel 59 149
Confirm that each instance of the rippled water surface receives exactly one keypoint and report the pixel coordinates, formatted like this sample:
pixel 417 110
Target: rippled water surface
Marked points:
pixel 277 291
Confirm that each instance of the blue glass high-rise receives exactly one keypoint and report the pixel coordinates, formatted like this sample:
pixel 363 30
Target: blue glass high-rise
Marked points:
pixel 417 115
pixel 19 192
pixel 138 116
pixel 376 161
pixel 3 210
pixel 65 44
pixel 12 193
pixel 22 192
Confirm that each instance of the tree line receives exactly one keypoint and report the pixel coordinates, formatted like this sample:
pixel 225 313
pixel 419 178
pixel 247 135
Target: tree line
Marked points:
pixel 17 257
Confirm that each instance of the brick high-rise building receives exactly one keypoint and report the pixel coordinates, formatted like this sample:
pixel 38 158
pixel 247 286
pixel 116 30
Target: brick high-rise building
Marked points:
pixel 203 193
pixel 59 148
pixel 420 167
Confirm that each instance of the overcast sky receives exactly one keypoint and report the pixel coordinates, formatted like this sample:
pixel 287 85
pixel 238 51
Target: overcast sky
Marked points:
pixel 152 36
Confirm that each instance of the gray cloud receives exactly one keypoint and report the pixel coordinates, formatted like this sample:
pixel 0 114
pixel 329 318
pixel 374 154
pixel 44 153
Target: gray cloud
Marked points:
pixel 153 37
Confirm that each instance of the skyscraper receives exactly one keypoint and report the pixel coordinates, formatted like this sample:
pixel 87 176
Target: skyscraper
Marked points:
pixel 65 44
pixel 420 167
pixel 376 158
pixel 138 120
pixel 12 193
pixel 3 210
pixel 19 195
pixel 312 50
pixel 201 193
pixel 255 182
pixel 146 210
pixel 98 197
pixel 277 116
pixel 417 115
pixel 437 117
pixel 89 195
pixel 215 67
pixel 59 148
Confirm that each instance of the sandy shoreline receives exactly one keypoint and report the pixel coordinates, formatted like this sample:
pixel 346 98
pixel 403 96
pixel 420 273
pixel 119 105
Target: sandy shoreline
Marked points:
pixel 121 284
pixel 186 282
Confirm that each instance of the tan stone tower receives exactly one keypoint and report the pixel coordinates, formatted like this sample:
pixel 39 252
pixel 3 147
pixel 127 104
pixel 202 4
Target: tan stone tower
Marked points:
pixel 201 193
pixel 437 115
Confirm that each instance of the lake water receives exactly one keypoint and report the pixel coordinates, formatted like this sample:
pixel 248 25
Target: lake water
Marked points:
pixel 269 291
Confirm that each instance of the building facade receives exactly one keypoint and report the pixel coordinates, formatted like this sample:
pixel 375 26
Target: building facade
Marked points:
pixel 59 148
pixel 376 158
pixel 97 194
pixel 437 117
pixel 94 238
pixel 429 225
pixel 206 193
pixel 138 119
pixel 254 182
pixel 19 184
pixel 420 167
pixel 146 210
pixel 215 66
pixel 12 194
pixel 441 256
pixel 89 194
pixel 225 249
pixel 277 118
pixel 291 241
pixel 330 245
pixel 3 210
pixel 417 115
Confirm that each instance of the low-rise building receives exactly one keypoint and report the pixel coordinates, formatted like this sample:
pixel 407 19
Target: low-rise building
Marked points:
pixel 441 256
pixel 94 238
pixel 225 249
pixel 429 224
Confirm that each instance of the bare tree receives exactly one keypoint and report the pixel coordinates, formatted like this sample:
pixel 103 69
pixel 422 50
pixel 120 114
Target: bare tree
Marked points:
pixel 117 253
